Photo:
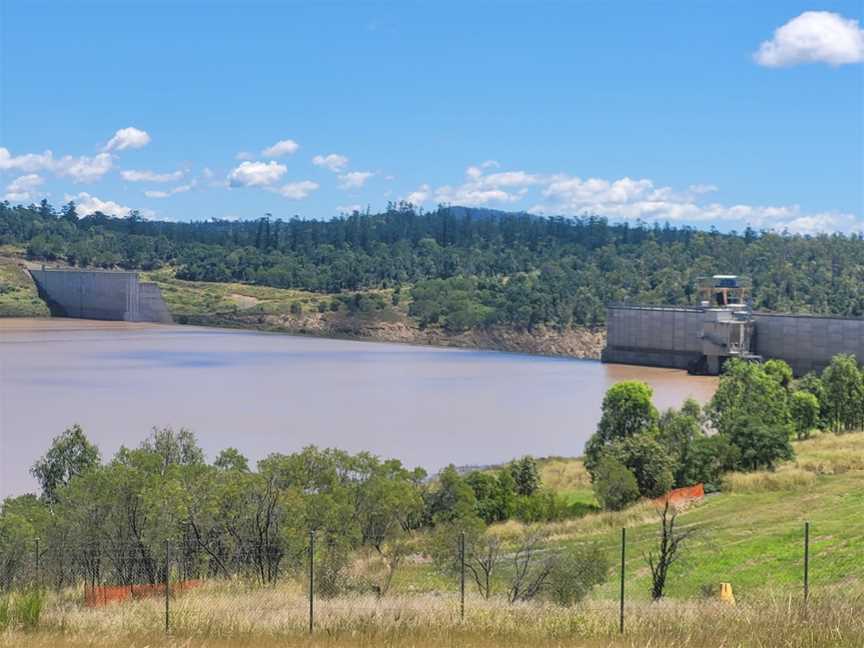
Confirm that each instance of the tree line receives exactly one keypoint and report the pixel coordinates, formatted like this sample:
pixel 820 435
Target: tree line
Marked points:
pixel 748 425
pixel 466 267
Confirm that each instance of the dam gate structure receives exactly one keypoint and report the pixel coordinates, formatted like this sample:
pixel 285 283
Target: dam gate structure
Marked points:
pixel 101 295
pixel 701 338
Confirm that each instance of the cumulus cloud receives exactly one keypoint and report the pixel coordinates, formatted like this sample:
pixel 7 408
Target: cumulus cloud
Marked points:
pixel 481 188
pixel 420 196
pixel 170 192
pixel 354 179
pixel 80 169
pixel 630 199
pixel 256 174
pixel 625 199
pixel 21 189
pixel 28 162
pixel 334 161
pixel 150 176
pixel 348 209
pixel 86 204
pixel 814 37
pixel 127 138
pixel 84 169
pixel 297 190
pixel 280 148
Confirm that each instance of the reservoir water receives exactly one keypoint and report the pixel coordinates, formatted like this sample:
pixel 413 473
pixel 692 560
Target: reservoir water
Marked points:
pixel 267 392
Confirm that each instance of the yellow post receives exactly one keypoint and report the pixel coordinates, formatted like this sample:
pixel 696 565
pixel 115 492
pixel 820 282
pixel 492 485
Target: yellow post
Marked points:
pixel 726 595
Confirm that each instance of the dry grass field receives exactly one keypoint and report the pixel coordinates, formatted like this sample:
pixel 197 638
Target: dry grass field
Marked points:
pixel 226 615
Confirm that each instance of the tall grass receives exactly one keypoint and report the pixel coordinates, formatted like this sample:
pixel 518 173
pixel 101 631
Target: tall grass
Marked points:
pixel 21 610
pixel 237 615
pixel 766 480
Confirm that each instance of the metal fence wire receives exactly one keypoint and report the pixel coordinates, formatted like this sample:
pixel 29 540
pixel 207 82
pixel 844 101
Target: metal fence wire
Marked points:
pixel 326 579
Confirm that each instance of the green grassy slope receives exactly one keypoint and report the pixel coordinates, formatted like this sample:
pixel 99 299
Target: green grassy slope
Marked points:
pixel 18 294
pixel 751 536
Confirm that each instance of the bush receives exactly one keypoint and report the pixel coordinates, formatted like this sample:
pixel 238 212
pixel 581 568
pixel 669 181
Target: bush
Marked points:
pixel 615 485
pixel 804 408
pixel 649 462
pixel 576 573
pixel 761 445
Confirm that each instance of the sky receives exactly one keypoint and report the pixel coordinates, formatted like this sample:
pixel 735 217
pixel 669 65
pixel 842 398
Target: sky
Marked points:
pixel 722 114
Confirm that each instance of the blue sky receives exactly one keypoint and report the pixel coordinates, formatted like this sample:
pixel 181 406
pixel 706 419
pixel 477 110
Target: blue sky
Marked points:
pixel 704 113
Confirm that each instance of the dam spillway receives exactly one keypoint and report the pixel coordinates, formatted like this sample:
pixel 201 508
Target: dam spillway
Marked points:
pixel 675 337
pixel 101 295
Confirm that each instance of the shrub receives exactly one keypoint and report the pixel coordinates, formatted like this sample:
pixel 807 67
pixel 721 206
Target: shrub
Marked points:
pixel 615 485
pixel 804 408
pixel 648 461
pixel 761 445
pixel 576 573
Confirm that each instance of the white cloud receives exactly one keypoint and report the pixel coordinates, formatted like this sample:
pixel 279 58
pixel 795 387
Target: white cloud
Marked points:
pixel 256 174
pixel 297 190
pixel 80 169
pixel 86 204
pixel 151 176
pixel 481 188
pixel 170 192
pixel 21 189
pixel 28 162
pixel 354 179
pixel 626 199
pixel 420 196
pixel 814 37
pixel 280 148
pixel 245 155
pixel 127 138
pixel 348 209
pixel 84 169
pixel 333 161
pixel 630 199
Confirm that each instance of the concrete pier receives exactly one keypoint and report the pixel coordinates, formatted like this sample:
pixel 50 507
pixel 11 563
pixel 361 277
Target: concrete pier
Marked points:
pixel 102 295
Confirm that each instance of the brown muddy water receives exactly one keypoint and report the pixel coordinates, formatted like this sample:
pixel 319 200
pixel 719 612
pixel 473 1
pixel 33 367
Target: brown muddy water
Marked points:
pixel 269 392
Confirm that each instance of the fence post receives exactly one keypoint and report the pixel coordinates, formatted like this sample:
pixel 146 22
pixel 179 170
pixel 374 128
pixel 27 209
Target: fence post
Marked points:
pixel 462 576
pixel 311 581
pixel 38 567
pixel 167 586
pixel 621 604
pixel 806 562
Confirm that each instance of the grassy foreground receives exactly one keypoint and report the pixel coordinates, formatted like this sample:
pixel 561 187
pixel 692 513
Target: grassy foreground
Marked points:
pixel 749 535
pixel 221 616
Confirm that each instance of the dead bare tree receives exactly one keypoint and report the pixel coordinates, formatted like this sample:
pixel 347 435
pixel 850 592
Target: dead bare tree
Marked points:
pixel 483 557
pixel 671 542
pixel 532 566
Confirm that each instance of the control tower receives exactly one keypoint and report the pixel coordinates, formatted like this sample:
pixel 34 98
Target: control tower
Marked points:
pixel 727 323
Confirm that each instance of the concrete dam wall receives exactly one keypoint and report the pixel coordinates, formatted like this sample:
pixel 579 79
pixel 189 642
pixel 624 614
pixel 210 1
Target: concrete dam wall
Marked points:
pixel 672 337
pixel 102 295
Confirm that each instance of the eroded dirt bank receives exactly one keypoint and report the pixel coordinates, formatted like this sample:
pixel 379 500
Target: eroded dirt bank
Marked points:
pixel 575 342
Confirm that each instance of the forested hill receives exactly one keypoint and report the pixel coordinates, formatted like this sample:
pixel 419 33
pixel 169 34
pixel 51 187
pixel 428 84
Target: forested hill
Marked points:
pixel 466 268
